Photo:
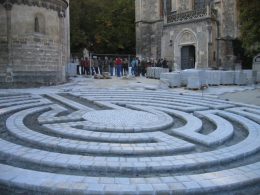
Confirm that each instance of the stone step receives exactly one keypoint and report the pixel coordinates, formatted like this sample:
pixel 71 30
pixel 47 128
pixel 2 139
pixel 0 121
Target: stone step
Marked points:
pixel 17 98
pixel 43 182
pixel 218 104
pixel 69 102
pixel 253 114
pixel 16 127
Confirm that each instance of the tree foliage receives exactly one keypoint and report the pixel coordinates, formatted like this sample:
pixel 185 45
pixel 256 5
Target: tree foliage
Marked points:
pixel 103 26
pixel 250 25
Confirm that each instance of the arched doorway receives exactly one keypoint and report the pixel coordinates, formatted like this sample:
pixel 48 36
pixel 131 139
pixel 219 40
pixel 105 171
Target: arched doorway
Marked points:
pixel 186 50
pixel 188 57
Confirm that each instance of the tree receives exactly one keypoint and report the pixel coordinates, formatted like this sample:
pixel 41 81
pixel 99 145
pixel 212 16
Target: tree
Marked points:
pixel 250 26
pixel 103 26
pixel 78 36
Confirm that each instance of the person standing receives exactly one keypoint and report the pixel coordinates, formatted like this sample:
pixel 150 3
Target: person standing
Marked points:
pixel 119 67
pixel 87 67
pixel 100 65
pixel 137 66
pixel 165 63
pixel 106 65
pixel 77 62
pixel 95 66
pixel 111 66
pixel 133 65
pixel 82 66
pixel 125 66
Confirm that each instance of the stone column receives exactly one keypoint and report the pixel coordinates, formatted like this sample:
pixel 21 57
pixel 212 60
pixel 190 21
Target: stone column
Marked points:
pixel 68 34
pixel 210 61
pixel 63 53
pixel 9 67
pixel 165 11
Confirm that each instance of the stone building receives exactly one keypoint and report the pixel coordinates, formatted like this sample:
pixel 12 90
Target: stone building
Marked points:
pixel 188 33
pixel 34 41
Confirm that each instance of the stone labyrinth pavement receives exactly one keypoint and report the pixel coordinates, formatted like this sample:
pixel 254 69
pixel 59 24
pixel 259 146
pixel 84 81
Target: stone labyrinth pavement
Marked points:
pixel 128 142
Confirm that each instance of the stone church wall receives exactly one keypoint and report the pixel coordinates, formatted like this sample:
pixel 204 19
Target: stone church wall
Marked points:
pixel 150 40
pixel 214 32
pixel 3 43
pixel 37 50
pixel 35 54
pixel 174 33
pixel 149 25
pixel 229 31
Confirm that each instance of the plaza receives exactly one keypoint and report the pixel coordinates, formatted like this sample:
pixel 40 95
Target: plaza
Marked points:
pixel 80 138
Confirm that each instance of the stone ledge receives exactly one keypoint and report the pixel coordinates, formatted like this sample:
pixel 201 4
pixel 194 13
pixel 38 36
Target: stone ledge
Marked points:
pixel 13 177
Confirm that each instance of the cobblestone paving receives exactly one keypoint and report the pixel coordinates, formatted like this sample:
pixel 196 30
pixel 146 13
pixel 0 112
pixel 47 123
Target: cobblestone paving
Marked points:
pixel 136 142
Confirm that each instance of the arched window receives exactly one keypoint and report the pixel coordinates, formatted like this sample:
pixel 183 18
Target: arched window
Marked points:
pixel 36 25
pixel 161 8
pixel 199 4
pixel 39 23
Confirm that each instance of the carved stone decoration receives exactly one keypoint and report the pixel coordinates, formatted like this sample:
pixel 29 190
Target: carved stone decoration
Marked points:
pixel 190 15
pixel 187 37
pixel 7 4
pixel 61 14
pixel 183 6
pixel 57 5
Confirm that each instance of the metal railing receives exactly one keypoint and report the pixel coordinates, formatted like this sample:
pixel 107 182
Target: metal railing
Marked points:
pixel 191 15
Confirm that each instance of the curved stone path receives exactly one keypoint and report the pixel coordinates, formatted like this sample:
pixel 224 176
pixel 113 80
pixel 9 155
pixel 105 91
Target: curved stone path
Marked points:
pixel 128 142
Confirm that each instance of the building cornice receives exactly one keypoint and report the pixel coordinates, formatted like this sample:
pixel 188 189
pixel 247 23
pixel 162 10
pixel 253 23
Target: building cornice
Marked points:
pixel 57 5
pixel 148 21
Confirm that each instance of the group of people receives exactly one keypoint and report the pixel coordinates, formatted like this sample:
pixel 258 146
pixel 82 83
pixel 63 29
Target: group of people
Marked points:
pixel 117 66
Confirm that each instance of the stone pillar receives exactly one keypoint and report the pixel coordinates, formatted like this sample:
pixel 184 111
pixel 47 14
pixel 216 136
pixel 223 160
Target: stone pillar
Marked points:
pixel 9 67
pixel 210 49
pixel 68 34
pixel 165 12
pixel 63 53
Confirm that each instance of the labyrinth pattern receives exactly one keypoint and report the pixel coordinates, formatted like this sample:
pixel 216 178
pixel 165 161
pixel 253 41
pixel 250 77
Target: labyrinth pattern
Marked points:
pixel 128 142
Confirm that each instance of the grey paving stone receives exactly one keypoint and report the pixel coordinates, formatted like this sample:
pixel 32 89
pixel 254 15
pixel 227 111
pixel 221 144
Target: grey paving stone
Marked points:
pixel 136 145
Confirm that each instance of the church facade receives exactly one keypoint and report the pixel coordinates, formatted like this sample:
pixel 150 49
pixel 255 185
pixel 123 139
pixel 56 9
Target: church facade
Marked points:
pixel 34 41
pixel 188 33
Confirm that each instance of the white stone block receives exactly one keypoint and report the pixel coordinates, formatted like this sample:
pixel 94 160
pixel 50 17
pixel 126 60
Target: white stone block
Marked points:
pixel 184 77
pixel 174 78
pixel 149 72
pixel 203 77
pixel 71 69
pixel 213 77
pixel 186 74
pixel 164 84
pixel 194 83
pixel 250 76
pixel 258 77
pixel 227 77
pixel 240 78
pixel 156 73
pixel 159 71
pixel 167 76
